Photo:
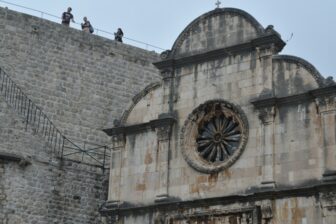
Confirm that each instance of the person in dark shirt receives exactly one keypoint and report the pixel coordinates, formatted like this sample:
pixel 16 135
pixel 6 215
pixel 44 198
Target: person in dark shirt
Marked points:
pixel 119 35
pixel 86 26
pixel 67 16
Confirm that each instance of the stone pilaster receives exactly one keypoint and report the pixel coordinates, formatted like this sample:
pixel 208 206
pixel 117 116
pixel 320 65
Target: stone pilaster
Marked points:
pixel 328 206
pixel 326 107
pixel 163 136
pixel 168 87
pixel 266 212
pixel 118 146
pixel 266 116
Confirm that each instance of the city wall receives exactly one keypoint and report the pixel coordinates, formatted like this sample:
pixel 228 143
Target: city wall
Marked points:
pixel 82 82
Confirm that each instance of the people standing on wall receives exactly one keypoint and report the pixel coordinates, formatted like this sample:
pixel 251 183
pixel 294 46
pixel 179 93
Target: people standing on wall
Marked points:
pixel 86 26
pixel 119 35
pixel 67 16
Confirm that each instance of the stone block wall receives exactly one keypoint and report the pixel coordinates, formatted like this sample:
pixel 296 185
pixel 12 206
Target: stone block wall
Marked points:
pixel 82 82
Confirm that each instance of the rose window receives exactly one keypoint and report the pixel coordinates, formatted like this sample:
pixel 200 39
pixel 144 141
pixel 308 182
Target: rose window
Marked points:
pixel 214 136
pixel 218 139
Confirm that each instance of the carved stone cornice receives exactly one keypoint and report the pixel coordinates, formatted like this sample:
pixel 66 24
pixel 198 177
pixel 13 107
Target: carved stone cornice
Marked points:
pixel 266 40
pixel 326 103
pixel 118 141
pixel 328 203
pixel 162 121
pixel 163 132
pixel 175 203
pixel 266 211
pixel 329 91
pixel 167 73
pixel 267 114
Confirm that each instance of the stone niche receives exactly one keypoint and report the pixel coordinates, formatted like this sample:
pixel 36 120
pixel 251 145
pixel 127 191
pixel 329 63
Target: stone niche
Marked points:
pixel 234 133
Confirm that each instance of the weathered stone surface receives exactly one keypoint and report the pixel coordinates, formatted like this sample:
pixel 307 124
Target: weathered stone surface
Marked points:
pixel 82 83
pixel 285 170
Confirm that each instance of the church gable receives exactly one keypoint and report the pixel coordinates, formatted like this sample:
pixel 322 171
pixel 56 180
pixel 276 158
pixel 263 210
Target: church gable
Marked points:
pixel 217 29
pixel 229 136
pixel 293 75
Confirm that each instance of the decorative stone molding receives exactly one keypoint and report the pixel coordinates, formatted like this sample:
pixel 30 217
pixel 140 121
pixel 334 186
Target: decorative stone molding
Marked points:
pixel 312 95
pixel 266 211
pixel 261 41
pixel 231 11
pixel 151 125
pixel 165 54
pixel 118 141
pixel 163 132
pixel 167 73
pixel 244 215
pixel 281 192
pixel 326 103
pixel 297 60
pixel 267 115
pixel 214 136
pixel 326 108
pixel 328 203
pixel 135 100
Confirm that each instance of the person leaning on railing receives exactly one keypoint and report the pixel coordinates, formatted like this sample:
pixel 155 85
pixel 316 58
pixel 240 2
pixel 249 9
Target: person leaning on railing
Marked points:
pixel 119 35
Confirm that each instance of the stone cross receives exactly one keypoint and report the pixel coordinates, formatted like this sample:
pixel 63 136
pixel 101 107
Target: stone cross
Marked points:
pixel 218 3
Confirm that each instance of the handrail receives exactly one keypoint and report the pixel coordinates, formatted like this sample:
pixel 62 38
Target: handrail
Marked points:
pixel 34 116
pixel 97 30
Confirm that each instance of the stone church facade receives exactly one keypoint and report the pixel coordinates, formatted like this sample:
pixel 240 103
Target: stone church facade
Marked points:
pixel 222 128
pixel 234 133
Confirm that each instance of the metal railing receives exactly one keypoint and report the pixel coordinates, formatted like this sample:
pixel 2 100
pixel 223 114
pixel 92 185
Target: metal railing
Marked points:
pixel 98 31
pixel 60 145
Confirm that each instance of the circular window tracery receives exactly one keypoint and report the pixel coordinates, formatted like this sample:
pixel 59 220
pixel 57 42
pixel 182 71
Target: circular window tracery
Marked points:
pixel 218 139
pixel 214 136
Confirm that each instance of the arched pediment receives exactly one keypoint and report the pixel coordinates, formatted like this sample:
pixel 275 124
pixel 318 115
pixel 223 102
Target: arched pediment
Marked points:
pixel 294 75
pixel 216 29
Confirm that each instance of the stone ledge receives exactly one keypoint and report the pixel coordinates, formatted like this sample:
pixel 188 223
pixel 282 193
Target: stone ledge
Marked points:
pixel 256 194
pixel 303 97
pixel 11 157
pixel 164 120
pixel 329 176
pixel 262 41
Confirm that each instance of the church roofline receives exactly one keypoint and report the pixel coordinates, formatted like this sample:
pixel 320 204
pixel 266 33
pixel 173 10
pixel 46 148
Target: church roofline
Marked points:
pixel 297 60
pixel 259 28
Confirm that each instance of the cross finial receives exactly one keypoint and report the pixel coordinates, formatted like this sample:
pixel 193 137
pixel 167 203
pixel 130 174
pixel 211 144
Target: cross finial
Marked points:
pixel 218 3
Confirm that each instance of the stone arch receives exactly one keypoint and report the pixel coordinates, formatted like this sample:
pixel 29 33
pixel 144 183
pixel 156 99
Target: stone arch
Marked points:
pixel 136 99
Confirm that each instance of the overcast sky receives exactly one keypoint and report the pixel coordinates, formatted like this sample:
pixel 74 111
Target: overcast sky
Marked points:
pixel 159 22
